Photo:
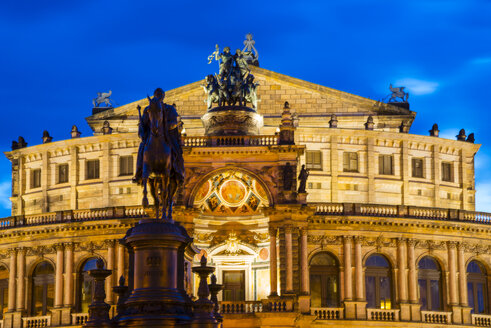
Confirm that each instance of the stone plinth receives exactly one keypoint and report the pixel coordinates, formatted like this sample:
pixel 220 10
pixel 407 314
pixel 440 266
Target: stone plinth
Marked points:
pixel 157 299
pixel 232 121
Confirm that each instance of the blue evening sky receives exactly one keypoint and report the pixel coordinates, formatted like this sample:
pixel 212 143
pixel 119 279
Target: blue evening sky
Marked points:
pixel 56 55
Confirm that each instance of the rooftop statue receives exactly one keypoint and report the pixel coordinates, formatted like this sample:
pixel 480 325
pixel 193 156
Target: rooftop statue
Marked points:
pixel 160 162
pixel 398 93
pixel 252 58
pixel 234 83
pixel 103 97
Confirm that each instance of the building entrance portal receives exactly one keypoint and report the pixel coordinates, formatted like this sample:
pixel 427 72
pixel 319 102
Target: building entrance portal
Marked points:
pixel 233 286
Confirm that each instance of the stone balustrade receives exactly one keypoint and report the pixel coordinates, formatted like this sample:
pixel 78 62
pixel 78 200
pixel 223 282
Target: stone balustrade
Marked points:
pixel 481 320
pixel 416 212
pixel 321 210
pixel 383 315
pixel 230 141
pixel 79 318
pixel 36 322
pixel 328 313
pixel 436 317
pixel 241 307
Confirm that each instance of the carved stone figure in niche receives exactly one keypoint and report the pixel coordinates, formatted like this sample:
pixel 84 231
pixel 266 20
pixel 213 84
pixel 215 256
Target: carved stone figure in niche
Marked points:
pixel 287 177
pixel 302 177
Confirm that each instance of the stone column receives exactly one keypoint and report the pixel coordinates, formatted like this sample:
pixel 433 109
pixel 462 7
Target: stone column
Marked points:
pixel 401 263
pixel 21 283
pixel 59 276
pixel 464 301
pixel 348 280
pixel 304 266
pixel 360 295
pixel 110 266
pixel 304 297
pixel 120 263
pixel 273 263
pixel 452 273
pixel 68 302
pixel 289 259
pixel 12 284
pixel 415 309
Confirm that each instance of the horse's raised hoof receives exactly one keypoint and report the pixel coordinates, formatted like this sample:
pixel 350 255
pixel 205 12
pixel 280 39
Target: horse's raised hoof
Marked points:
pixel 145 201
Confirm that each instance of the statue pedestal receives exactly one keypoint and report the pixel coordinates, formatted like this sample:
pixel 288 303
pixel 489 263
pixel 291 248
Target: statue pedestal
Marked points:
pixel 157 299
pixel 232 121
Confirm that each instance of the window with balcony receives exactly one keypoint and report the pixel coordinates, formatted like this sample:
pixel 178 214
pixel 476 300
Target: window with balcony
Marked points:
pixel 447 172
pixel 430 284
pixel 417 167
pixel 43 289
pixel 477 288
pixel 350 162
pixel 62 173
pixel 378 283
pixel 313 160
pixel 126 165
pixel 36 178
pixel 385 164
pixel 92 169
pixel 324 280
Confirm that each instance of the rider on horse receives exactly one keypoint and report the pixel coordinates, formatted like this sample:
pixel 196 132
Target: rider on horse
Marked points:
pixel 174 138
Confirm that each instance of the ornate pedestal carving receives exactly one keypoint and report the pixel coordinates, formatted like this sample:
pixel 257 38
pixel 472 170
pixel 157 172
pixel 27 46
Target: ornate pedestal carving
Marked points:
pixel 232 121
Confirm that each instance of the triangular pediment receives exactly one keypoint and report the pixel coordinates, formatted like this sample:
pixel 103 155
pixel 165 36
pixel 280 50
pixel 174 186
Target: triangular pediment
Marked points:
pixel 305 98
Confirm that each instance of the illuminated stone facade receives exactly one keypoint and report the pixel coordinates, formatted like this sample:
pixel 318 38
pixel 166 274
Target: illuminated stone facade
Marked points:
pixel 385 236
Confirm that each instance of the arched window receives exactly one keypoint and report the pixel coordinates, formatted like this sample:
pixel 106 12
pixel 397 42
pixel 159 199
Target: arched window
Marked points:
pixel 4 291
pixel 43 288
pixel 477 288
pixel 324 281
pixel 378 282
pixel 85 288
pixel 430 282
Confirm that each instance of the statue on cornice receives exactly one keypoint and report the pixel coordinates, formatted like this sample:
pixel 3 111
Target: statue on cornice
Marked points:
pixel 234 83
pixel 398 93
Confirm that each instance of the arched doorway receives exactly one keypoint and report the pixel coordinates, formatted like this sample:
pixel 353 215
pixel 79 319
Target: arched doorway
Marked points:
pixel 378 282
pixel 477 287
pixel 43 288
pixel 430 284
pixel 85 285
pixel 324 280
pixel 4 290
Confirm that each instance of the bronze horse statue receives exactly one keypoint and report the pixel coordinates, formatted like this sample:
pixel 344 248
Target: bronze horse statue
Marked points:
pixel 156 158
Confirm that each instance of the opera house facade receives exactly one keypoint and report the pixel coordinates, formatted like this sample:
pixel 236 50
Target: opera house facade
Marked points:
pixel 385 233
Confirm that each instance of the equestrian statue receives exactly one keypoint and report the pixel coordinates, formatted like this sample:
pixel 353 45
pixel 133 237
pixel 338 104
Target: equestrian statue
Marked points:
pixel 160 163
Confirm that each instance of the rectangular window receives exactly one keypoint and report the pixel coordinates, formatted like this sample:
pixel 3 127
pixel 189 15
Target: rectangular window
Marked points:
pixel 126 165
pixel 62 173
pixel 417 166
pixel 36 178
pixel 92 169
pixel 350 162
pixel 313 160
pixel 385 164
pixel 447 172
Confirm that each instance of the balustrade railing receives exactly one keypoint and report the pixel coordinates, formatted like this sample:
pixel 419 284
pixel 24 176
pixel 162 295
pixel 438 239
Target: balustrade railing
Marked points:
pixel 241 307
pixel 383 315
pixel 36 322
pixel 328 313
pixel 481 320
pixel 230 141
pixel 379 210
pixel 79 318
pixel 436 317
